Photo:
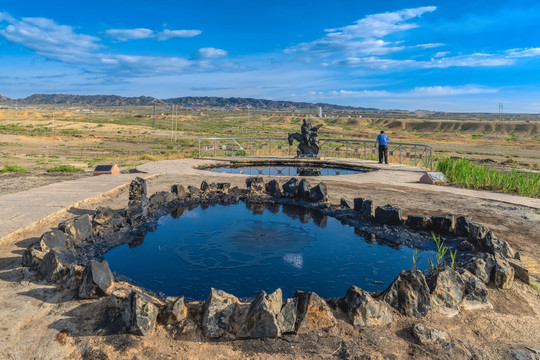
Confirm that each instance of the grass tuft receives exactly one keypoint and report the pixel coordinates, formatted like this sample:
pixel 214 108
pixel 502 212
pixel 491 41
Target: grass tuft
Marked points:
pixel 65 168
pixel 466 174
pixel 13 168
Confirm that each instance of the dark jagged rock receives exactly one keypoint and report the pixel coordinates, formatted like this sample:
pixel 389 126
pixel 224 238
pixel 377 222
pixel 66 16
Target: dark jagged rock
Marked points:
pixel 366 211
pixel 137 189
pixel 56 263
pixel 313 313
pixel 503 274
pixel 475 295
pixel 223 187
pixel 261 320
pixel 137 210
pixel 409 294
pixel 52 239
pixel 159 200
pixel 447 289
pixel 175 311
pixel 481 267
pixel 204 186
pixel 273 188
pixel 193 191
pixel 255 185
pixel 73 279
pixel 319 193
pixel 418 222
pixel 357 204
pixel 286 318
pixel 140 314
pixel 346 204
pixel 33 256
pixel 462 226
pixel 179 191
pixel 106 218
pixel 363 310
pixel 290 188
pixel 303 189
pixel 388 214
pixel 218 311
pixel 443 224
pixel 97 279
pixel 78 229
pixel 477 232
pixel 493 245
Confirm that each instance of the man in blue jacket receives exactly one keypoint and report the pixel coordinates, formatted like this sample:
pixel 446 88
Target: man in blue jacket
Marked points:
pixel 382 140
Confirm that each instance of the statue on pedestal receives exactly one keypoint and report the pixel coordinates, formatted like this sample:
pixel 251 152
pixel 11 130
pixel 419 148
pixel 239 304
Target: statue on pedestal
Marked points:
pixel 308 140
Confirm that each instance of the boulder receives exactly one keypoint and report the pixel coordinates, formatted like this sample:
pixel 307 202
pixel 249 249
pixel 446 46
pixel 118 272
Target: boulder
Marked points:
pixel 52 239
pixel 304 188
pixel 73 279
pixel 286 318
pixel 56 263
pixel 137 189
pixel 430 336
pixel 137 210
pixel 357 204
pixel 193 191
pixel 273 188
pixel 363 310
pixel 255 185
pixel 418 222
pixel 493 245
pixel 409 294
pixel 79 229
pixel 462 226
pixel 179 191
pixel 107 218
pixel 503 274
pixel 223 187
pixel 261 320
pixel 318 193
pixel 218 311
pixel 447 289
pixel 204 186
pixel 140 314
pixel 33 256
pixel 313 313
pixel 520 270
pixel 475 294
pixel 477 232
pixel 97 279
pixel 388 214
pixel 346 204
pixel 160 199
pixel 367 209
pixel 443 224
pixel 175 311
pixel 481 267
pixel 290 188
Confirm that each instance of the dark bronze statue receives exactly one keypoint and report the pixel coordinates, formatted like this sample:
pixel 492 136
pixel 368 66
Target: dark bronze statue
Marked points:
pixel 308 140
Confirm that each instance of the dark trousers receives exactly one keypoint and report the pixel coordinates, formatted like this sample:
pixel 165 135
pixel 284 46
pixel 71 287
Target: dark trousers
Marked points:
pixel 383 151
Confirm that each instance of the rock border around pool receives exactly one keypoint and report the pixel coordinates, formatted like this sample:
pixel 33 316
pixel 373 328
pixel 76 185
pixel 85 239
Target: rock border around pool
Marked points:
pixel 70 257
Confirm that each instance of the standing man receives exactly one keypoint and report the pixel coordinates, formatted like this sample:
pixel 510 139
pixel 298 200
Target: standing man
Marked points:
pixel 382 140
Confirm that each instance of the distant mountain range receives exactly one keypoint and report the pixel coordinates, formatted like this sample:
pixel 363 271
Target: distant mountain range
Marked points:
pixel 189 102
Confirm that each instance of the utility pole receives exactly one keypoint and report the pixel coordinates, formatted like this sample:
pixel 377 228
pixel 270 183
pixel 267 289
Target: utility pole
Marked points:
pixel 154 118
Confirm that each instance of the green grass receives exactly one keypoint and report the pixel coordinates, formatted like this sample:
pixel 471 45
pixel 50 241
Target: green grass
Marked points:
pixel 65 168
pixel 464 173
pixel 13 168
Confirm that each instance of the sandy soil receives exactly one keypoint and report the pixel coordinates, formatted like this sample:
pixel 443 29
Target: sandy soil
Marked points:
pixel 38 321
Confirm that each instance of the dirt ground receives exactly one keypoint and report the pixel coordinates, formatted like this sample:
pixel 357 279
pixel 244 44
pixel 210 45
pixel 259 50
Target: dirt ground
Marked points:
pixel 39 321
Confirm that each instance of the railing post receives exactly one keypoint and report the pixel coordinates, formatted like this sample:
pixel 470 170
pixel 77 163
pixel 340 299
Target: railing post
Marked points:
pixel 214 147
pixel 232 147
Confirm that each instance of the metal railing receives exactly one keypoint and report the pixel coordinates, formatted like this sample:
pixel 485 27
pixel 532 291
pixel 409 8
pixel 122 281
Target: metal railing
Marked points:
pixel 400 153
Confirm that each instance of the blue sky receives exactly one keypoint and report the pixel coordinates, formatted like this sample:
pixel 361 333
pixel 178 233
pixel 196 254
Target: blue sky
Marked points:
pixel 438 55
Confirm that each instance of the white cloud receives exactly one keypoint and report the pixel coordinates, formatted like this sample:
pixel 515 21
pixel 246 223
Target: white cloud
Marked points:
pixel 429 45
pixel 364 37
pixel 441 54
pixel 130 34
pixel 210 53
pixel 49 39
pixel 452 90
pixel 518 53
pixel 169 34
